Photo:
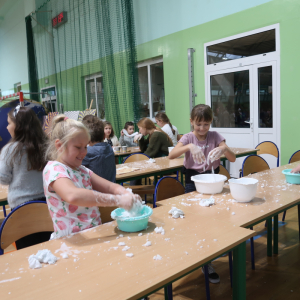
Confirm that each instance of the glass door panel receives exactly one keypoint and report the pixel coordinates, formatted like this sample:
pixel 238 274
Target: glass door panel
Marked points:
pixel 230 99
pixel 90 93
pixel 265 97
pixel 157 85
pixel 144 90
pixel 100 98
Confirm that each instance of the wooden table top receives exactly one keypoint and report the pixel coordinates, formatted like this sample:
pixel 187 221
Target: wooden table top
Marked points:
pixel 95 269
pixel 161 164
pixel 241 151
pixel 130 150
pixel 273 196
pixel 3 192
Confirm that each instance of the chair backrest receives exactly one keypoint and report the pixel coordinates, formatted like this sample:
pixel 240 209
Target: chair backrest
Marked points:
pixel 254 164
pixel 167 187
pixel 223 171
pixel 105 213
pixel 295 157
pixel 136 157
pixel 268 148
pixel 27 218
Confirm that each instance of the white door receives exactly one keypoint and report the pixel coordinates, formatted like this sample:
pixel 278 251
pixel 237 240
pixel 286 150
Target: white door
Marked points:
pixel 243 101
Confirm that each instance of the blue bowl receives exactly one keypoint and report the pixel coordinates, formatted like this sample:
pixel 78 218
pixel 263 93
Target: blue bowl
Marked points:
pixel 293 178
pixel 132 224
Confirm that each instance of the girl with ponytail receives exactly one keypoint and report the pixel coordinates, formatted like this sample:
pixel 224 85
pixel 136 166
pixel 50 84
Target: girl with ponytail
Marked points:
pixel 164 123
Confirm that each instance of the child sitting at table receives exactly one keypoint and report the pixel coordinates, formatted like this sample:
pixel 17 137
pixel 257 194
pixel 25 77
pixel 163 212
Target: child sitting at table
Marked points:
pixel 203 149
pixel 152 140
pixel 73 192
pixel 100 157
pixel 127 135
pixel 109 135
pixel 21 164
pixel 164 123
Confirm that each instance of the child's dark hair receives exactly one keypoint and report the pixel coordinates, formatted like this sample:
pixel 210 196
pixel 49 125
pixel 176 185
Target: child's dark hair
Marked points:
pixel 164 118
pixel 88 118
pixel 202 112
pixel 95 127
pixel 127 124
pixel 30 138
pixel 112 130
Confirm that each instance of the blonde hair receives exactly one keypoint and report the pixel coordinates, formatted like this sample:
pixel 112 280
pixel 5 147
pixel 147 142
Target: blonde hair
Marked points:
pixel 149 125
pixel 63 129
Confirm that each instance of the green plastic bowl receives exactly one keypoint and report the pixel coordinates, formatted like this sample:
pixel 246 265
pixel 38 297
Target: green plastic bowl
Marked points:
pixel 132 224
pixel 293 178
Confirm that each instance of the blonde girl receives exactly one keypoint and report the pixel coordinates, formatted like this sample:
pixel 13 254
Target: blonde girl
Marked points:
pixel 152 140
pixel 73 192
pixel 109 135
pixel 164 123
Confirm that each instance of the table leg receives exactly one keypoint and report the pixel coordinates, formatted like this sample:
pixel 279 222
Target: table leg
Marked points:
pixel 275 235
pixel 181 177
pixel 168 292
pixel 120 159
pixel 239 272
pixel 269 237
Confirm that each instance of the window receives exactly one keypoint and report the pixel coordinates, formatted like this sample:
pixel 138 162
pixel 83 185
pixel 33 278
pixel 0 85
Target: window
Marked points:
pixel 259 43
pixel 151 81
pixel 95 94
pixel 49 98
pixel 0 93
pixel 17 87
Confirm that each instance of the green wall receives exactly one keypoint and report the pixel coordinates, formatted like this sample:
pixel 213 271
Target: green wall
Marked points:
pixel 173 47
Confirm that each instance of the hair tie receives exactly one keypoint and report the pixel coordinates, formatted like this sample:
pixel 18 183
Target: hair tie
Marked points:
pixel 66 118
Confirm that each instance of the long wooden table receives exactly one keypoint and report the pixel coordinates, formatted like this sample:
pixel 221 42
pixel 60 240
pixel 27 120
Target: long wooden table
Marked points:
pixel 164 165
pixel 95 269
pixel 130 150
pixel 273 196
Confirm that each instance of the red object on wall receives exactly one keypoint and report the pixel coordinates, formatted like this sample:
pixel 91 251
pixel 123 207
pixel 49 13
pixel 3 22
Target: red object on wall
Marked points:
pixel 59 19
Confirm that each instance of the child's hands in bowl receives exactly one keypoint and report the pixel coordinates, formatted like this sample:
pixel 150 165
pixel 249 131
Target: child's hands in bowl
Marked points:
pixel 216 153
pixel 296 170
pixel 197 154
pixel 128 199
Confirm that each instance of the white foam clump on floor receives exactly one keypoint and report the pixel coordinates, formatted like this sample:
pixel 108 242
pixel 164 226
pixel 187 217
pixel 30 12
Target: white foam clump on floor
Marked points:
pixel 64 255
pixel 176 212
pixel 157 257
pixel 125 248
pixel 129 254
pixel 207 202
pixel 42 256
pixel 148 243
pixel 122 244
pixel 159 230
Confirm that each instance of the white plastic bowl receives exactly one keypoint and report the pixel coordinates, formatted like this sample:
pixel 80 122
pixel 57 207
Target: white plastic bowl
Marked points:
pixel 243 189
pixel 209 183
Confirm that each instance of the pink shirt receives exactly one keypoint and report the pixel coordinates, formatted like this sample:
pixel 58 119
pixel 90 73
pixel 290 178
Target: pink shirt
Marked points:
pixel 213 139
pixel 68 218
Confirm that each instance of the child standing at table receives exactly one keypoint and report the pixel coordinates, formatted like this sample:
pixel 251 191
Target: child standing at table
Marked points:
pixel 73 192
pixel 164 123
pixel 109 135
pixel 203 149
pixel 21 164
pixel 100 157
pixel 152 140
pixel 127 135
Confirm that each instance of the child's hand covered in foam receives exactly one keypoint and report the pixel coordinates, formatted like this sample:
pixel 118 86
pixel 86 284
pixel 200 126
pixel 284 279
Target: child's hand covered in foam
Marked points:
pixel 197 154
pixel 216 153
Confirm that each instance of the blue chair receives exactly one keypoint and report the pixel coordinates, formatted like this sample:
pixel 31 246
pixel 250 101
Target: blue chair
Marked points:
pixel 27 218
pixel 254 164
pixel 268 147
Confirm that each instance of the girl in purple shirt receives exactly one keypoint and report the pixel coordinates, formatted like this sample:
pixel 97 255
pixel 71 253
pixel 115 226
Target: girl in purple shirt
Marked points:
pixel 203 149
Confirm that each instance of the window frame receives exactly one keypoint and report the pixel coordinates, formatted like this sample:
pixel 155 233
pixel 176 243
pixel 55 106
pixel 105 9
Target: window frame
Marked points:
pixel 147 63
pixel 89 77
pixel 240 62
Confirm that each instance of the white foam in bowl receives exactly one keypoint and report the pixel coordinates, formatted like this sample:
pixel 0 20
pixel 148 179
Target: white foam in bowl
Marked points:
pixel 243 189
pixel 209 183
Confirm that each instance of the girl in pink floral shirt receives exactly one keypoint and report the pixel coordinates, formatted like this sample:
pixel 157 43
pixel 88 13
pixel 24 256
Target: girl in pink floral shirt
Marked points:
pixel 73 192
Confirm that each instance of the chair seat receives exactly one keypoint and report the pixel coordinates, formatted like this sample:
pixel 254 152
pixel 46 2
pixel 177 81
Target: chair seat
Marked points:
pixel 143 189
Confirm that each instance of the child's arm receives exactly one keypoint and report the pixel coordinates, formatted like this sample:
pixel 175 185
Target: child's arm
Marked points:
pixel 216 153
pixel 197 153
pixel 296 170
pixel 66 189
pixel 6 169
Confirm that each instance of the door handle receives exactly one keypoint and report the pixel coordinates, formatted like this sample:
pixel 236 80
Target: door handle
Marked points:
pixel 250 122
